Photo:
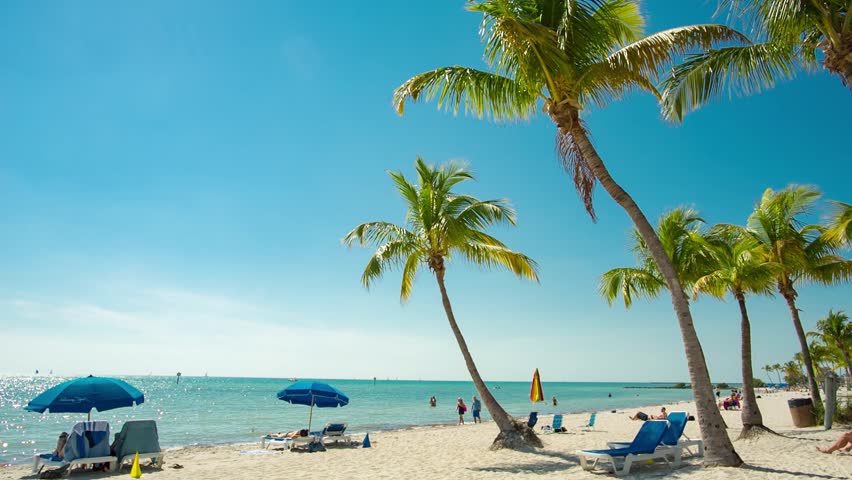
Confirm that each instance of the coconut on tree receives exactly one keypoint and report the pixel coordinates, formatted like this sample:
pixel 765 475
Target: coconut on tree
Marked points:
pixel 800 252
pixel 564 57
pixel 736 267
pixel 442 225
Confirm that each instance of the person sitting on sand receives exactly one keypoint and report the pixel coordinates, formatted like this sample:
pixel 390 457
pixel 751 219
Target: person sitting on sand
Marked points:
pixel 843 443
pixel 644 416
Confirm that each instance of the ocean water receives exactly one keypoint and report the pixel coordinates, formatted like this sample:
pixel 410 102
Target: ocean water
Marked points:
pixel 214 410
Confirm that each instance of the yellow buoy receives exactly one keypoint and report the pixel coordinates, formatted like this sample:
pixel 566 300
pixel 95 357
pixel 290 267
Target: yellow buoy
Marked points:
pixel 135 471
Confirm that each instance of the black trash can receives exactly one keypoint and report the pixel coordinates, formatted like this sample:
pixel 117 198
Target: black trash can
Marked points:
pixel 801 409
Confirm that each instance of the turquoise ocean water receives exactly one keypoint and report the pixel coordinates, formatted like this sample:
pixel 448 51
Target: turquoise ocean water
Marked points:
pixel 214 410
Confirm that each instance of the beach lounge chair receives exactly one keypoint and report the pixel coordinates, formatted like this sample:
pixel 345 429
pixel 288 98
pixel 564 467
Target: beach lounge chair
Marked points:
pixel 533 419
pixel 646 446
pixel 87 444
pixel 335 432
pixel 555 426
pixel 591 423
pixel 138 436
pixel 674 436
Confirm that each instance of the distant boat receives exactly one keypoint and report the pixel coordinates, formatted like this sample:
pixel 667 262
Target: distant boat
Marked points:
pixel 293 379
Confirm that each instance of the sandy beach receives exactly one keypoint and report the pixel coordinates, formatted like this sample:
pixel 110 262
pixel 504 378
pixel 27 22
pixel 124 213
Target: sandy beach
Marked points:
pixel 462 452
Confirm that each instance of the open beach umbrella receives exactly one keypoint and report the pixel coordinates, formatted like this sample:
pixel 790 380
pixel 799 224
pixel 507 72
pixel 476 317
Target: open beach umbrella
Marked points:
pixel 310 393
pixel 536 394
pixel 81 395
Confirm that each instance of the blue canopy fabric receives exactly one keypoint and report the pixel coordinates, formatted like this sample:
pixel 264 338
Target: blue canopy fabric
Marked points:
pixel 317 394
pixel 83 394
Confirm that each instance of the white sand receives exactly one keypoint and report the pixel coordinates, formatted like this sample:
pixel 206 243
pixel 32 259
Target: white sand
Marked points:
pixel 461 452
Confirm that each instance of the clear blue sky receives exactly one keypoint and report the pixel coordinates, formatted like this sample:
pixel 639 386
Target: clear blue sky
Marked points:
pixel 175 179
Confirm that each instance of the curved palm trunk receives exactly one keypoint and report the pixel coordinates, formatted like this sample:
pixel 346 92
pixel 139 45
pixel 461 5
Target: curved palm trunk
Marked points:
pixel 719 449
pixel 751 415
pixel 846 359
pixel 789 295
pixel 509 428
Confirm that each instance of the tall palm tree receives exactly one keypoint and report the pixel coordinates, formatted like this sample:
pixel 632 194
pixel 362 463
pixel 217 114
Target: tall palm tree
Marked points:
pixel 736 267
pixel 768 368
pixel 791 32
pixel 779 369
pixel 840 224
pixel 569 55
pixel 441 224
pixel 800 252
pixel 835 331
pixel 793 372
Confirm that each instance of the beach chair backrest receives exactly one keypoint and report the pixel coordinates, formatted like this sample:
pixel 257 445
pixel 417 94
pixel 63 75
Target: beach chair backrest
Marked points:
pixel 87 440
pixel 557 421
pixel 333 429
pixel 137 436
pixel 533 419
pixel 649 436
pixel 592 420
pixel 677 423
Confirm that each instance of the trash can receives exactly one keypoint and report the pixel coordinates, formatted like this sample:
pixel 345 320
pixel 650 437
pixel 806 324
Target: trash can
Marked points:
pixel 801 409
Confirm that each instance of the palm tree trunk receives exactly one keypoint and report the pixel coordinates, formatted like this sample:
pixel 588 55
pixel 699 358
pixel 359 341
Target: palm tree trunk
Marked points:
pixel 507 425
pixel 751 415
pixel 719 449
pixel 789 295
pixel 838 58
pixel 848 363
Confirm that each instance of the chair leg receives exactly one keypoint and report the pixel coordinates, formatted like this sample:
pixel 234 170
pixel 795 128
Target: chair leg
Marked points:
pixel 628 462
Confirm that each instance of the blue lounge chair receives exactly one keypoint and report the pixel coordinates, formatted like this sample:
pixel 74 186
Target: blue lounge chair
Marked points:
pixel 87 444
pixel 555 426
pixel 138 436
pixel 335 432
pixel 673 435
pixel 591 423
pixel 533 419
pixel 644 447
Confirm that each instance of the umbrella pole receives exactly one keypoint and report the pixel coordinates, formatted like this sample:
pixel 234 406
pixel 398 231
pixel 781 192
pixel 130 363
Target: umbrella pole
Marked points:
pixel 311 417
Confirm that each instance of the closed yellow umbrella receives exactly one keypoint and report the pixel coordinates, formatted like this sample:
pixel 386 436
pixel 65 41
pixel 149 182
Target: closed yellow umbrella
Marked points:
pixel 536 394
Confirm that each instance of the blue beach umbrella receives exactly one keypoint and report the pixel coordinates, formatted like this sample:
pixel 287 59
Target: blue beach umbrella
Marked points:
pixel 83 394
pixel 317 394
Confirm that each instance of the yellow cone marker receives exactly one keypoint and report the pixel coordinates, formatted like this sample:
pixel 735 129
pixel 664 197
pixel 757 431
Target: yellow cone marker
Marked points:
pixel 135 471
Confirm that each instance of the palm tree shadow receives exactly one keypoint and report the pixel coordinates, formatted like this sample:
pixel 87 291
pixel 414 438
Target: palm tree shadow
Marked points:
pixel 788 472
pixel 562 462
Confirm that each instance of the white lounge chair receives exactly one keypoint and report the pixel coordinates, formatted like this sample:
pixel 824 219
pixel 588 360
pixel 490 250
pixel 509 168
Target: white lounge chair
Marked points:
pixel 80 449
pixel 646 446
pixel 335 432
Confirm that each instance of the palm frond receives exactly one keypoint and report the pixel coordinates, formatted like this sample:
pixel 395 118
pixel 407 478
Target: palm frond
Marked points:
pixel 630 283
pixel 650 54
pixel 389 255
pixel 606 81
pixel 477 92
pixel 840 223
pixel 489 256
pixel 576 166
pixel 409 274
pixel 376 233
pixel 743 70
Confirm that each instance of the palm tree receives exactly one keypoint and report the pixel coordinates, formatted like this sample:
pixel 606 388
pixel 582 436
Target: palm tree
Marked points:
pixel 441 224
pixel 840 224
pixel 835 331
pixel 778 370
pixel 793 372
pixel 568 56
pixel 801 253
pixel 678 231
pixel 768 368
pixel 737 268
pixel 791 33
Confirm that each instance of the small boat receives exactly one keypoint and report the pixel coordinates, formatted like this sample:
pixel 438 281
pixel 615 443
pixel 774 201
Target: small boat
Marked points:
pixel 293 379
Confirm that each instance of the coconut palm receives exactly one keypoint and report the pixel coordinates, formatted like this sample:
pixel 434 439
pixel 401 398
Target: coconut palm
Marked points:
pixel 440 225
pixel 768 368
pixel 840 224
pixel 790 32
pixel 678 231
pixel 800 252
pixel 566 56
pixel 736 267
pixel 835 331
pixel 779 369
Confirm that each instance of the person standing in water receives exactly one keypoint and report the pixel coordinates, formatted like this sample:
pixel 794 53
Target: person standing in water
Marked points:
pixel 433 401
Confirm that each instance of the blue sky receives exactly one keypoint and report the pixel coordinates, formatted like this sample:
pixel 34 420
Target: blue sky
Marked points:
pixel 175 179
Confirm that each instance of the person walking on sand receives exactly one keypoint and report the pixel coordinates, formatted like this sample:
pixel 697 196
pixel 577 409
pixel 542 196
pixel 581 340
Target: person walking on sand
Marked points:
pixel 476 408
pixel 843 443
pixel 461 407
